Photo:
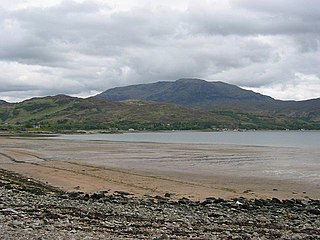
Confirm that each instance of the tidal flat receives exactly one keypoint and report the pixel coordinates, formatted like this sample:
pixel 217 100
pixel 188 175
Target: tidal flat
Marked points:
pixel 83 189
pixel 195 171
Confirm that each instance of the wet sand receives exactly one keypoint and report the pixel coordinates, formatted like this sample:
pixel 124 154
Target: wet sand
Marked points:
pixel 195 171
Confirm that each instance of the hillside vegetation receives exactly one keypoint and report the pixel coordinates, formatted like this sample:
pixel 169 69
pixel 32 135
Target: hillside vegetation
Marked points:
pixel 64 112
pixel 60 113
pixel 213 95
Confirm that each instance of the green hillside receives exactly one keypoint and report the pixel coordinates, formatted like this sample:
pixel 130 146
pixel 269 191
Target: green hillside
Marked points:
pixel 62 112
pixel 213 95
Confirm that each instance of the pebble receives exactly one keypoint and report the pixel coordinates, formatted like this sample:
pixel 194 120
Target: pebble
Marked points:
pixel 36 214
pixel 9 211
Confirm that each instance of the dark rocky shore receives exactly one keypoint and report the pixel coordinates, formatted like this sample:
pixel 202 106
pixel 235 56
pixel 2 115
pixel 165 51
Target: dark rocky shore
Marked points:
pixel 32 210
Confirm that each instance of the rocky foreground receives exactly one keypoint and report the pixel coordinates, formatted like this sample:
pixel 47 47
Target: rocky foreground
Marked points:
pixel 32 210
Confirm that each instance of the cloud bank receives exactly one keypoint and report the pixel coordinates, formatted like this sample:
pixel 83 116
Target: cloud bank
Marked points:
pixel 84 47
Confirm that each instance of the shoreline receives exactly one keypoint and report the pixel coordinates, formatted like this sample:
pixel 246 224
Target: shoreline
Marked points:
pixel 102 131
pixel 30 209
pixel 248 138
pixel 145 169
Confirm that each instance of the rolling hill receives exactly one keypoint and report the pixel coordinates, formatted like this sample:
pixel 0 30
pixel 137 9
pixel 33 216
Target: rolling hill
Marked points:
pixel 212 96
pixel 59 113
pixel 64 112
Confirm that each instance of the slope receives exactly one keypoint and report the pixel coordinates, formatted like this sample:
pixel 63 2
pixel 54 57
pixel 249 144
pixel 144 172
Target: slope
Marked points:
pixel 213 95
pixel 190 92
pixel 64 112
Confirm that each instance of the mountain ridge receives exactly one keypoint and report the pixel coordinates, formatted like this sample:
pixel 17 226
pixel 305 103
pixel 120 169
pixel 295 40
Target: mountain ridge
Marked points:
pixel 186 104
pixel 63 113
pixel 193 92
pixel 221 89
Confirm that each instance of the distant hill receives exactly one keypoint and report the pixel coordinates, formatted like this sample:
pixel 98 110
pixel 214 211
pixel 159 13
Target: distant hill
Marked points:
pixel 190 92
pixel 183 104
pixel 64 112
pixel 213 95
pixel 3 102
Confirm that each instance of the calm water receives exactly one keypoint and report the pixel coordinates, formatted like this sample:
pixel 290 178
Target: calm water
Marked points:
pixel 282 155
pixel 303 139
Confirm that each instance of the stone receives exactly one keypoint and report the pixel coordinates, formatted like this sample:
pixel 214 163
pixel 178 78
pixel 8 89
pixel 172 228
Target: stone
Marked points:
pixel 169 195
pixel 276 201
pixel 184 200
pixel 288 202
pixel 247 191
pixel 16 223
pixel 9 211
pixel 75 194
pixel 314 211
pixel 123 193
pixel 163 237
pixel 51 216
pixel 97 195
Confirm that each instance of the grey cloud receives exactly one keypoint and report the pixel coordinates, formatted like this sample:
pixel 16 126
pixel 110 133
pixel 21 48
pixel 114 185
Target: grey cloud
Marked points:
pixel 308 42
pixel 244 21
pixel 304 9
pixel 47 33
pixel 82 47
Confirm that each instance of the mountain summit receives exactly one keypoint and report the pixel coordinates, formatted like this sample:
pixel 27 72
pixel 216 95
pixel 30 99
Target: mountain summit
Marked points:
pixel 188 92
pixel 212 95
pixel 223 106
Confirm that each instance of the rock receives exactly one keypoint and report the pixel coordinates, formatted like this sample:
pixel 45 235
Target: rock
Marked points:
pixel 105 191
pixel 314 211
pixel 161 199
pixel 122 193
pixel 258 202
pixel 51 216
pixel 9 211
pixel 207 202
pixel 163 237
pixel 184 200
pixel 275 201
pixel 247 206
pixel 218 200
pixel 75 194
pixel 16 223
pixel 97 195
pixel 288 202
pixel 247 191
pixel 169 195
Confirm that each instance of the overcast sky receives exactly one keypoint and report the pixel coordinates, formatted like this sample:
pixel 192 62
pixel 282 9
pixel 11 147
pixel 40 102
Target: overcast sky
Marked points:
pixel 80 48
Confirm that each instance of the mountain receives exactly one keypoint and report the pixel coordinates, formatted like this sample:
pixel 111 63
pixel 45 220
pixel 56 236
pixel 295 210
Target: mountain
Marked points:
pixel 212 95
pixel 189 92
pixel 3 102
pixel 56 113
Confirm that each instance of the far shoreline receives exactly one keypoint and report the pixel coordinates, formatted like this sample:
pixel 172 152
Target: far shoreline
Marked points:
pixel 243 138
pixel 5 133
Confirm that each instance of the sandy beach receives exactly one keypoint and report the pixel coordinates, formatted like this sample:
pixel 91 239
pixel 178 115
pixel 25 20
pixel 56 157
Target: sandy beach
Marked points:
pixel 157 168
